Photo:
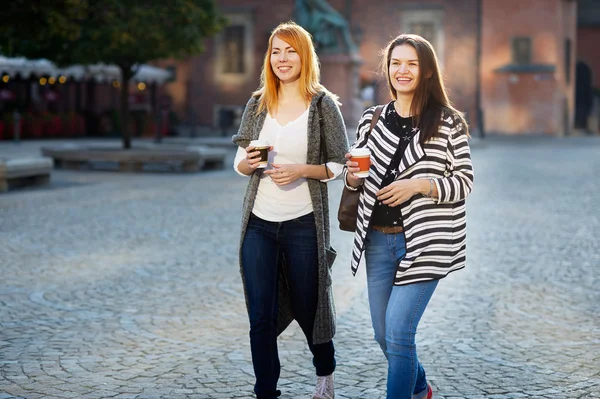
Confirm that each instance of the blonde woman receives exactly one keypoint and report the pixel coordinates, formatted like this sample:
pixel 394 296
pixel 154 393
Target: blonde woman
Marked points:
pixel 285 254
pixel 411 215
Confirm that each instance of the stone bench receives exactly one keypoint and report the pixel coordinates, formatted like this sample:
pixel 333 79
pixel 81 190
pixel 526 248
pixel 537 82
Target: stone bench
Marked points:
pixel 210 156
pixel 21 171
pixel 132 160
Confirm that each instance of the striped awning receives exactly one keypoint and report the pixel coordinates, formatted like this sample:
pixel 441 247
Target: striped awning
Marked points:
pixel 26 68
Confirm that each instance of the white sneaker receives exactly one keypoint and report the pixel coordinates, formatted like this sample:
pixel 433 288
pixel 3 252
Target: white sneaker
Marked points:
pixel 324 388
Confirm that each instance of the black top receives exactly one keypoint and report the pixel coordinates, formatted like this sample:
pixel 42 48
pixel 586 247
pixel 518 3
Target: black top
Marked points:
pixel 384 215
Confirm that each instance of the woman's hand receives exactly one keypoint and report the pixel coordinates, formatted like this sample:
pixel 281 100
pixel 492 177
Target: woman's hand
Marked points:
pixel 253 157
pixel 399 191
pixel 352 169
pixel 285 174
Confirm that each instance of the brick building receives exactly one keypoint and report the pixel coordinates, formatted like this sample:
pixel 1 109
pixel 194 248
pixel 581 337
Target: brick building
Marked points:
pixel 587 91
pixel 527 64
pixel 212 81
pixel 512 62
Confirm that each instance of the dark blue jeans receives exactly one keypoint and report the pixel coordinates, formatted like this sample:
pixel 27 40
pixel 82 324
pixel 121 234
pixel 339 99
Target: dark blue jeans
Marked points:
pixel 265 243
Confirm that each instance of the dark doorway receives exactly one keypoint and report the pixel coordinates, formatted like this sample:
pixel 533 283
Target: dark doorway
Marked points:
pixel 584 96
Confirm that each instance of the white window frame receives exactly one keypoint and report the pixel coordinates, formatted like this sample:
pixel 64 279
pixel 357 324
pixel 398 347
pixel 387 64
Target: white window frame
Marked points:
pixel 243 18
pixel 435 17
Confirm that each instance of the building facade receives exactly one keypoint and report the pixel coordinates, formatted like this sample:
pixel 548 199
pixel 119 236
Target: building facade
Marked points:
pixel 225 75
pixel 587 90
pixel 510 65
pixel 527 64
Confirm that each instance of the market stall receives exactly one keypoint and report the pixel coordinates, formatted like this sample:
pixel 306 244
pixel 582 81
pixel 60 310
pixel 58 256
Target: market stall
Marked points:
pixel 40 100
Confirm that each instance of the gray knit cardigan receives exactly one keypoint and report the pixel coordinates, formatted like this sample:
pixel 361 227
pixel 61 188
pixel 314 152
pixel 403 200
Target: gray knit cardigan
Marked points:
pixel 337 146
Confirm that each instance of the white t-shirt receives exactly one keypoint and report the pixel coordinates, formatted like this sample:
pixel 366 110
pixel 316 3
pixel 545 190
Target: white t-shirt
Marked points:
pixel 290 145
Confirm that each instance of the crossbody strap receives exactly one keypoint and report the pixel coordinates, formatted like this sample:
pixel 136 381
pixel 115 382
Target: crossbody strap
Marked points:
pixel 375 118
pixel 323 144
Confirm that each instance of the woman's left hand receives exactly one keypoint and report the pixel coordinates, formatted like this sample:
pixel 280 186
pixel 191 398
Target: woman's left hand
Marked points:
pixel 398 192
pixel 284 174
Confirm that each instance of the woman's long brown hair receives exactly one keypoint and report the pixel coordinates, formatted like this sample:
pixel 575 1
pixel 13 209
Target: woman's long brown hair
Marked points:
pixel 430 100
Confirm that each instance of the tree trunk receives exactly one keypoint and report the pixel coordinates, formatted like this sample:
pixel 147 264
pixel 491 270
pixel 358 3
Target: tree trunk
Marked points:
pixel 156 112
pixel 126 74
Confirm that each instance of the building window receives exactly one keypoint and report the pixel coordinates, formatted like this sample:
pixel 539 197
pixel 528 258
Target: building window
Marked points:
pixel 428 23
pixel 424 29
pixel 233 49
pixel 521 50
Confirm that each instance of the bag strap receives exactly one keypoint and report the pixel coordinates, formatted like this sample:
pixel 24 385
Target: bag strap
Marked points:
pixel 323 144
pixel 375 118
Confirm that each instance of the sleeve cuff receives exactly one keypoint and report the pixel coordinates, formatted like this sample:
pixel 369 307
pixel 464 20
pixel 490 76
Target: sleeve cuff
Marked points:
pixel 438 187
pixel 349 187
pixel 335 168
pixel 239 157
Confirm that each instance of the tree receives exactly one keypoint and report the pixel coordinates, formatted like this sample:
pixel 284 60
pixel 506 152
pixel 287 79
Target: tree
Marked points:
pixel 126 33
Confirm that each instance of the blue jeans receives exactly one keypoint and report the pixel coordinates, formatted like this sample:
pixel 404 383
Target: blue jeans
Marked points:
pixel 265 243
pixel 395 314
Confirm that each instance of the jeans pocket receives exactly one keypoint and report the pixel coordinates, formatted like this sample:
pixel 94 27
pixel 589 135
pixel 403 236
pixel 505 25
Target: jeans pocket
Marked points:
pixel 399 246
pixel 306 220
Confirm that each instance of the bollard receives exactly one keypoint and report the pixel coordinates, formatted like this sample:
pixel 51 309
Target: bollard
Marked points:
pixel 193 132
pixel 16 123
pixel 158 126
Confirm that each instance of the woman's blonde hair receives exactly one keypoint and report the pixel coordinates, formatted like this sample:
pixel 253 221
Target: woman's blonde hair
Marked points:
pixel 310 73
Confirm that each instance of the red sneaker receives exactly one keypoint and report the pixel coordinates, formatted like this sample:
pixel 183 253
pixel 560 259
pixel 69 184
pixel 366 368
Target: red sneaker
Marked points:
pixel 429 392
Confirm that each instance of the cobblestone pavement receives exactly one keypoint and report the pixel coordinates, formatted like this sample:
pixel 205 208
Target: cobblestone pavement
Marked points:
pixel 126 286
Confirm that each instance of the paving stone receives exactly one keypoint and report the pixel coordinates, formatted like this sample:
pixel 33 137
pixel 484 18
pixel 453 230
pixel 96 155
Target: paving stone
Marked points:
pixel 127 286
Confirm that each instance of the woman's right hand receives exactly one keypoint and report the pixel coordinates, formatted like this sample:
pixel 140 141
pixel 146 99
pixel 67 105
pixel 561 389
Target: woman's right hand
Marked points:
pixel 252 157
pixel 352 169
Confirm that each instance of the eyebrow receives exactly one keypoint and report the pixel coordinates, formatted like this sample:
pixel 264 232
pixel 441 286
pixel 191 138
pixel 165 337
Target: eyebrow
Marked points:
pixel 396 59
pixel 277 48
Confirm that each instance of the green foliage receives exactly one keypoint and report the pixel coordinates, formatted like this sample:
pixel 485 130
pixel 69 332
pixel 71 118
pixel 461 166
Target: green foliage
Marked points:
pixel 121 32
pixel 27 26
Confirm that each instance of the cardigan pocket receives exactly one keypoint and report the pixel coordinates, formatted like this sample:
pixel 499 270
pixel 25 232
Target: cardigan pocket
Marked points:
pixel 331 255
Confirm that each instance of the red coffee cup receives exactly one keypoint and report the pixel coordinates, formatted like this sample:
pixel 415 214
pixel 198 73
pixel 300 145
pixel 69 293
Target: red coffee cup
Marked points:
pixel 363 157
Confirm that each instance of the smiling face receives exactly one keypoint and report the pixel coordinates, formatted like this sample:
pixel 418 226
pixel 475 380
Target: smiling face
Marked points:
pixel 285 61
pixel 404 71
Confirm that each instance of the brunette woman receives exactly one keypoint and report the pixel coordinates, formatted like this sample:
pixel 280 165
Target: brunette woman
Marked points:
pixel 411 217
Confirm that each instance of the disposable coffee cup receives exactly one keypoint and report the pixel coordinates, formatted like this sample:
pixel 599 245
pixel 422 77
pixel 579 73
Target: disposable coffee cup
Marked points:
pixel 262 146
pixel 363 157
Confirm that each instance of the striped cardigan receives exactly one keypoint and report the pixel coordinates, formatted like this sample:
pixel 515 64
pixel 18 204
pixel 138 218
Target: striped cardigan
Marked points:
pixel 435 229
